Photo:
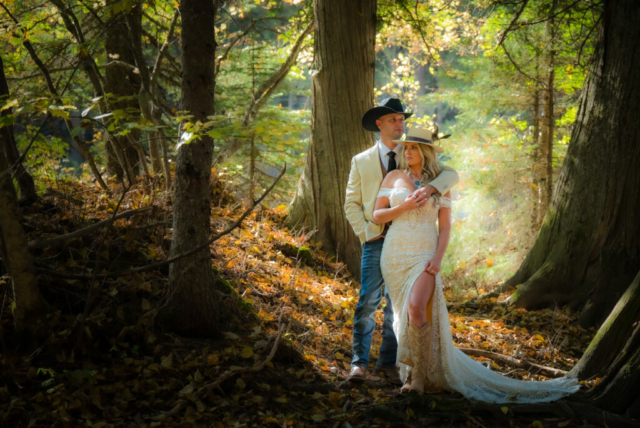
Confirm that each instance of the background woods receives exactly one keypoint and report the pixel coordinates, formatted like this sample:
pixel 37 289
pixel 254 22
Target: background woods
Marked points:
pixel 172 237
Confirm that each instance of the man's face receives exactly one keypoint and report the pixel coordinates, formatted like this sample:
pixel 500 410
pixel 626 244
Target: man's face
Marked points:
pixel 391 125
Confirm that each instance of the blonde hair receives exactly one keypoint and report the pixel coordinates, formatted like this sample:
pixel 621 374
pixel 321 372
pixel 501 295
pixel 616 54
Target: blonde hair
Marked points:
pixel 430 165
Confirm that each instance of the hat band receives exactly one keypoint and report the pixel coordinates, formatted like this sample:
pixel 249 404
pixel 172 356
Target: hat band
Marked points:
pixel 422 140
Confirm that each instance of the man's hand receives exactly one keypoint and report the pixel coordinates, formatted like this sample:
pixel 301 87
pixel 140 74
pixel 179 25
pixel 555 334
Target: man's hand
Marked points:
pixel 423 193
pixel 382 235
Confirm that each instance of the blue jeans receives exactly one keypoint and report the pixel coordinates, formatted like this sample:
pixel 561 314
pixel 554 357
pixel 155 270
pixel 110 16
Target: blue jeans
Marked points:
pixel 363 321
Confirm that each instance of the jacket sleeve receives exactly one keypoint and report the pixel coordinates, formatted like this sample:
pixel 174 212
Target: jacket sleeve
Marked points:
pixel 447 178
pixel 353 202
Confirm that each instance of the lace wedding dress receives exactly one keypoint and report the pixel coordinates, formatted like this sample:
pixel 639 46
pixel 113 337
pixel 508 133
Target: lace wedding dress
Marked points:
pixel 410 243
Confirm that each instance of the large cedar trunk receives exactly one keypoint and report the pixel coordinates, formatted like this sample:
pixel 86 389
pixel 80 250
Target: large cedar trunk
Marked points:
pixel 192 308
pixel 29 314
pixel 121 81
pixel 588 249
pixel 27 187
pixel 615 354
pixel 344 67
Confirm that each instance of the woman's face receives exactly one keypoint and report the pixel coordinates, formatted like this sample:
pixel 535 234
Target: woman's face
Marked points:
pixel 412 155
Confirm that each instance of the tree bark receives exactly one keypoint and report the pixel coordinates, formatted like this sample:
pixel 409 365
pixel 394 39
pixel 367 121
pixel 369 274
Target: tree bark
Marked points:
pixel 344 67
pixel 192 307
pixel 543 150
pixel 588 249
pixel 612 335
pixel 27 187
pixel 536 198
pixel 122 82
pixel 619 392
pixel 614 354
pixel 29 313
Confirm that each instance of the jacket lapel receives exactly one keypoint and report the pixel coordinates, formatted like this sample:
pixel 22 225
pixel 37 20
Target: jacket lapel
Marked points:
pixel 374 162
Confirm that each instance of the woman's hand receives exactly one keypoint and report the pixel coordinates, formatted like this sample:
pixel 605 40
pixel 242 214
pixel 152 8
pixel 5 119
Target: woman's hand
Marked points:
pixel 412 203
pixel 433 266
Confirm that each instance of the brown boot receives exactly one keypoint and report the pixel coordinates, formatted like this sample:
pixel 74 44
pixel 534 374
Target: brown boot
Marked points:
pixel 419 342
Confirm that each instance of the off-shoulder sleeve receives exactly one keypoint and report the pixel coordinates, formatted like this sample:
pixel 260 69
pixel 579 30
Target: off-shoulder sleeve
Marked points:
pixel 445 202
pixel 384 192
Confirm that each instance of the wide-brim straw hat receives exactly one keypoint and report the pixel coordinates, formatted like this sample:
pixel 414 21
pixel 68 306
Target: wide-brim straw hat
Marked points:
pixel 422 136
pixel 387 106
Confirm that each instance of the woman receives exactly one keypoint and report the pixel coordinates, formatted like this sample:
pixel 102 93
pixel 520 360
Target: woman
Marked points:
pixel 411 258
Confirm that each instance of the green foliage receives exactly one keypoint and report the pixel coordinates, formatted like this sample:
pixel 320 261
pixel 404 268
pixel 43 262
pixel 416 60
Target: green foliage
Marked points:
pixel 443 60
pixel 441 57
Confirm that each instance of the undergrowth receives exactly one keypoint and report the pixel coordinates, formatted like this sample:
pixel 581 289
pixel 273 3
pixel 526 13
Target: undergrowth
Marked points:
pixel 119 369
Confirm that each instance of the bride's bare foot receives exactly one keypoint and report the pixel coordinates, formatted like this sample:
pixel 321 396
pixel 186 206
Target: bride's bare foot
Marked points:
pixel 407 385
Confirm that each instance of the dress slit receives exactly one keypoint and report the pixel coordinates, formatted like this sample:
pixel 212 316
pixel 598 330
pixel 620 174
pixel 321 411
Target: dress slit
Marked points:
pixel 447 367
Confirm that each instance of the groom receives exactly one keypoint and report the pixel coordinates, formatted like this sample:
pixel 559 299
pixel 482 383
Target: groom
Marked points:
pixel 367 172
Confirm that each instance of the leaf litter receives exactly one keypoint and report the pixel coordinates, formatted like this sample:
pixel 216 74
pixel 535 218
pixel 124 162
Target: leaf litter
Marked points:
pixel 121 370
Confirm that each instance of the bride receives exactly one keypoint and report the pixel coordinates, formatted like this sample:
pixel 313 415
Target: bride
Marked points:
pixel 410 262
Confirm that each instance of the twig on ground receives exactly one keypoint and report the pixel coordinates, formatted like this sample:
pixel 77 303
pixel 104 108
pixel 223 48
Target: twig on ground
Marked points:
pixel 520 363
pixel 227 375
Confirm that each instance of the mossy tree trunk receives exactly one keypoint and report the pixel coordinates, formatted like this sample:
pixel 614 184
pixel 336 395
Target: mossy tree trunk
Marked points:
pixel 344 67
pixel 614 354
pixel 192 307
pixel 588 249
pixel 612 335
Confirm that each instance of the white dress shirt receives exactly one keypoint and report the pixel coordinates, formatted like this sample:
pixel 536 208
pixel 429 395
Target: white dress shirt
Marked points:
pixel 384 154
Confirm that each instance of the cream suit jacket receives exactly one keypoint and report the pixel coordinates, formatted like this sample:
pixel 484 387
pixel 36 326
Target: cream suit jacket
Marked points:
pixel 362 190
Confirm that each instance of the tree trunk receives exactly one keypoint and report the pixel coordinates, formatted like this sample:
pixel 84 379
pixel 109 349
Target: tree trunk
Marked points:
pixel 612 335
pixel 27 187
pixel 615 353
pixel 588 249
pixel 29 314
pixel 122 82
pixel 536 198
pixel 342 91
pixel 192 307
pixel 543 152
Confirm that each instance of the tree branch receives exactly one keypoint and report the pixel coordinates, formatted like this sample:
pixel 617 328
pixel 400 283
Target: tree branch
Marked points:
pixel 52 89
pixel 229 374
pixel 231 45
pixel 263 93
pixel 84 231
pixel 163 49
pixel 513 22
pixel 523 364
pixel 518 67
pixel 195 250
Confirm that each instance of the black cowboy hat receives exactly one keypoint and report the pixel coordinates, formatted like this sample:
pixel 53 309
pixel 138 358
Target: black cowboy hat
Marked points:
pixel 386 106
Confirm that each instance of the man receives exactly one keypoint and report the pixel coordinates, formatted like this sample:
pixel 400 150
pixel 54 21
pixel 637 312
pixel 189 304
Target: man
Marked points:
pixel 367 172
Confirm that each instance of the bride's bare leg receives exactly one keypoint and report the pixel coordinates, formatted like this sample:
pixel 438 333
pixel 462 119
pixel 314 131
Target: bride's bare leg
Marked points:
pixel 419 298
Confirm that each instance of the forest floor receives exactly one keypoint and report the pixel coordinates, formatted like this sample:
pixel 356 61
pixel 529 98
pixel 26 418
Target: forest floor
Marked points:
pixel 280 293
